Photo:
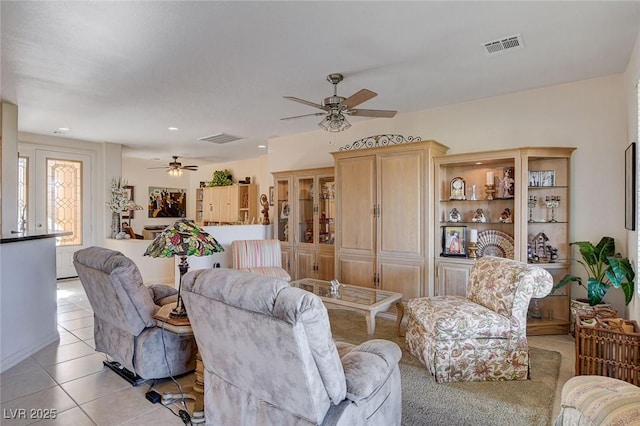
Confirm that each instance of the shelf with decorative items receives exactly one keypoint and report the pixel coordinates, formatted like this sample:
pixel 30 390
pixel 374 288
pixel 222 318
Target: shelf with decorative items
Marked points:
pixel 546 195
pixel 509 203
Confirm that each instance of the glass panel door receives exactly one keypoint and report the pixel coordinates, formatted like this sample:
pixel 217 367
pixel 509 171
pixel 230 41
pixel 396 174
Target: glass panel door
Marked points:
pixel 305 211
pixel 327 210
pixel 283 210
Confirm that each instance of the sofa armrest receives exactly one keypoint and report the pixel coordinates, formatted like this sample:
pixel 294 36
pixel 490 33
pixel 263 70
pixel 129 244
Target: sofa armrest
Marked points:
pixel 367 366
pixel 162 294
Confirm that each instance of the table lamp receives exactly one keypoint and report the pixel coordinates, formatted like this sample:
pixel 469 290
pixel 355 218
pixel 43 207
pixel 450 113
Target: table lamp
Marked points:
pixel 183 238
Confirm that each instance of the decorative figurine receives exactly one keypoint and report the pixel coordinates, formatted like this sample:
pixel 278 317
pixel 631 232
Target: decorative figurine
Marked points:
pixel 454 215
pixel 507 183
pixel 505 217
pixel 265 209
pixel 479 216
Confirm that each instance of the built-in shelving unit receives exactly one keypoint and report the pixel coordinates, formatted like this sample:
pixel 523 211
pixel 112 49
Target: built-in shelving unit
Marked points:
pixel 523 195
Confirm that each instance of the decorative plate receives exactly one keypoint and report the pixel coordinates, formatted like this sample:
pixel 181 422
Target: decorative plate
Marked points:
pixel 495 243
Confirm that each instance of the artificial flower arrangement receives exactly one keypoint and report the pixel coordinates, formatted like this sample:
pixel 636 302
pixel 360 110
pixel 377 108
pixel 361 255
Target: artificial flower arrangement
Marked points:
pixel 118 204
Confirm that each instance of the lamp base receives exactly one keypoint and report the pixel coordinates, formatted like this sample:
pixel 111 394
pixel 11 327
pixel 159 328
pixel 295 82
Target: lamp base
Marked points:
pixel 178 312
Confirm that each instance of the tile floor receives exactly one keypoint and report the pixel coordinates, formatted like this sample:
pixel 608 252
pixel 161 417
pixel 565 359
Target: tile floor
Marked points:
pixel 68 377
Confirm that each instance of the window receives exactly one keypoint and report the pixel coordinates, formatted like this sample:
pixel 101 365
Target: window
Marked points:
pixel 64 199
pixel 23 192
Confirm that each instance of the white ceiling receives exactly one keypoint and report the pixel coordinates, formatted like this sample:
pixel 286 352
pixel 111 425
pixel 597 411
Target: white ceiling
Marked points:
pixel 124 72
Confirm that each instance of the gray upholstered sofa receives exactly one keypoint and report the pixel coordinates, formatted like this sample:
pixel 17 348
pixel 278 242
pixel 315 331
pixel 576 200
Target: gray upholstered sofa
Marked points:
pixel 123 307
pixel 270 359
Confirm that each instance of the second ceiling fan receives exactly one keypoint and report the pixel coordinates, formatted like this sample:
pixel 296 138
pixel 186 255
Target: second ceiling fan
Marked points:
pixel 175 168
pixel 335 107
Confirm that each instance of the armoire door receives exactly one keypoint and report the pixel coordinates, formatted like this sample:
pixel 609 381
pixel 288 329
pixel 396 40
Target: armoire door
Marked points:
pixel 356 183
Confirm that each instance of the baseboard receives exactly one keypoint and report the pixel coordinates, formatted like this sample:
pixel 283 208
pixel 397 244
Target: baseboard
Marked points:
pixel 24 353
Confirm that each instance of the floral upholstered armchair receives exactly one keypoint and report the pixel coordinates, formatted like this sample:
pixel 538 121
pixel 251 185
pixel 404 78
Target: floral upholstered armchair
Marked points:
pixel 482 336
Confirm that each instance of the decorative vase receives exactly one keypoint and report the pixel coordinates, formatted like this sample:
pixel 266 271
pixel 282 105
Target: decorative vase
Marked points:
pixel 115 224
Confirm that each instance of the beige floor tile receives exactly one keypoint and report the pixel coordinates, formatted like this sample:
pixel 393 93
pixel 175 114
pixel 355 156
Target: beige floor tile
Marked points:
pixel 67 338
pixel 94 386
pixel 130 405
pixel 55 353
pixel 83 333
pixel 80 313
pixel 67 371
pixel 74 416
pixel 77 323
pixel 21 367
pixel 29 382
pixel 160 416
pixel 68 307
pixel 30 408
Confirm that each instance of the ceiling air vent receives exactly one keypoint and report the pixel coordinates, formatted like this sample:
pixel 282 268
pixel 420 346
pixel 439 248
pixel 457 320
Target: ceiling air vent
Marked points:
pixel 220 138
pixel 497 47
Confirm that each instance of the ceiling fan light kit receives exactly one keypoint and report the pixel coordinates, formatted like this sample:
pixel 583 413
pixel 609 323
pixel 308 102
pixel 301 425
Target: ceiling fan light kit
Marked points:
pixel 334 123
pixel 337 106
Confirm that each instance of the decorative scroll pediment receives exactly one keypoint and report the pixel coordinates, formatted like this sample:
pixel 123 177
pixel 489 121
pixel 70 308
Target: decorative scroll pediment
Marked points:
pixel 379 140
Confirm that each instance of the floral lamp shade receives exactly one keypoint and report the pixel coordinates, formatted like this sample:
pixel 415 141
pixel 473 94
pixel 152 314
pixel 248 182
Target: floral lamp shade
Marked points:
pixel 183 238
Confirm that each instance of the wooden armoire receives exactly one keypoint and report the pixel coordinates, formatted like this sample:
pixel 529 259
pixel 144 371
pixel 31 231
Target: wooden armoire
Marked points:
pixel 384 203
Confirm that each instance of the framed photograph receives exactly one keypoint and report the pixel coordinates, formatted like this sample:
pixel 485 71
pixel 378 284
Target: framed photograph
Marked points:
pixel 454 241
pixel 547 177
pixel 167 202
pixel 271 195
pixel 128 193
pixel 534 178
pixel 630 187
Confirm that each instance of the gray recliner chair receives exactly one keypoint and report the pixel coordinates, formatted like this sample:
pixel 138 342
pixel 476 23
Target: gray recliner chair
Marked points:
pixel 124 327
pixel 269 357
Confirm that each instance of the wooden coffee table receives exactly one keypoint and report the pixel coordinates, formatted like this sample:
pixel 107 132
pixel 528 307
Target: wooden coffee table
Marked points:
pixel 367 301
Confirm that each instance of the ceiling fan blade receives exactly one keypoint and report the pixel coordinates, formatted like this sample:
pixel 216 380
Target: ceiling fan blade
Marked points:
pixel 194 168
pixel 305 115
pixel 161 167
pixel 358 98
pixel 302 101
pixel 372 113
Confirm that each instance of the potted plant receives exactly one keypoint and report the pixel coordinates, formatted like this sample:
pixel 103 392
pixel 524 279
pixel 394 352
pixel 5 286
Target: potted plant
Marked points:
pixel 605 269
pixel 221 178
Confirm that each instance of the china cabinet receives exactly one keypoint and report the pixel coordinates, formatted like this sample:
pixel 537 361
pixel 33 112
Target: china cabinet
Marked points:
pixel 382 228
pixel 514 204
pixel 305 224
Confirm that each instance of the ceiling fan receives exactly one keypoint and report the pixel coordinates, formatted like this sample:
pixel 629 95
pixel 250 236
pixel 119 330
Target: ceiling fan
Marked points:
pixel 335 107
pixel 175 168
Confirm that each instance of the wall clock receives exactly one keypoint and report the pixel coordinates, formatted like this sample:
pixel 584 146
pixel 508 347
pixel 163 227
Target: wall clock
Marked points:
pixel 457 188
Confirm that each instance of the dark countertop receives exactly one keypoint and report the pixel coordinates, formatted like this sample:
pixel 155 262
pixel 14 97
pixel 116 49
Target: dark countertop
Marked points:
pixel 30 235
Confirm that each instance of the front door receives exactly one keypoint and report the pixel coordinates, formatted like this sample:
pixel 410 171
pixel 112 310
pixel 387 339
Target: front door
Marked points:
pixel 62 200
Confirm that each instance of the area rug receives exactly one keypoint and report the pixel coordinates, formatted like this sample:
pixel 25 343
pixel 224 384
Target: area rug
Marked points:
pixel 425 402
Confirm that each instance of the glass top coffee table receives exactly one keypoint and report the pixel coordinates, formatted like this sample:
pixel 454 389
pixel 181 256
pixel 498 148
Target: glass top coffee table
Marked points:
pixel 367 301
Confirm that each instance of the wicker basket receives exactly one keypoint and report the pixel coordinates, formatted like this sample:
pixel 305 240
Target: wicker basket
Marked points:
pixel 608 347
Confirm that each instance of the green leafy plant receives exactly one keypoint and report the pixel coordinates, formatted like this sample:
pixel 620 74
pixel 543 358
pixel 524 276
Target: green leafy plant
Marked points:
pixel 605 269
pixel 221 178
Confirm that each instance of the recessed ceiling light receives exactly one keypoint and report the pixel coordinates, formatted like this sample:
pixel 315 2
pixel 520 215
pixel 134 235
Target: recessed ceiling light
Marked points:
pixel 173 129
pixel 62 130
pixel 262 146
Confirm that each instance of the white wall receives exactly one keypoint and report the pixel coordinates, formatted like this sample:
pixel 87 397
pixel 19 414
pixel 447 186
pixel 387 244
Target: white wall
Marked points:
pixel 590 115
pixel 631 77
